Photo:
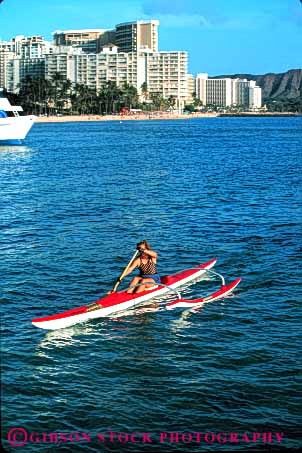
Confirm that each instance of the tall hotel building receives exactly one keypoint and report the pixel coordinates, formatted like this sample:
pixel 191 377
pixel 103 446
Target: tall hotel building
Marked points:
pixel 137 36
pixel 7 53
pixel 22 57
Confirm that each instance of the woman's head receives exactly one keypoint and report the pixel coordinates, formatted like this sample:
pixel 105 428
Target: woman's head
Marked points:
pixel 143 244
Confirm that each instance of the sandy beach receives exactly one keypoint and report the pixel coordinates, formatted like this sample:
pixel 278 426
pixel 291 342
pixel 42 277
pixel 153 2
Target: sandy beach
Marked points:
pixel 155 116
pixel 142 117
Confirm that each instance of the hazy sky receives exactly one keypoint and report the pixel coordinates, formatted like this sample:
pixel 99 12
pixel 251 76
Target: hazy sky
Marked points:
pixel 221 36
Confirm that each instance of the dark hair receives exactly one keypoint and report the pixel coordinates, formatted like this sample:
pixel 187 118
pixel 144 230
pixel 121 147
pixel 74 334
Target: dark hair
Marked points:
pixel 145 243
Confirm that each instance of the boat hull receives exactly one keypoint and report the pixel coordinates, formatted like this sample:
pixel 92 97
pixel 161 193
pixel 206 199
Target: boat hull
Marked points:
pixel 119 301
pixel 15 129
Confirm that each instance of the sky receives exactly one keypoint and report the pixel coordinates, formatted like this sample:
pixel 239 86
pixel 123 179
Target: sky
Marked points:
pixel 221 36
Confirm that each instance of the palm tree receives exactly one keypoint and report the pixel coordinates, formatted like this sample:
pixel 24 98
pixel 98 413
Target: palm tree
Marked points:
pixel 144 89
pixel 158 101
pixel 129 95
pixel 41 89
pixel 110 97
pixel 83 91
pixel 74 98
pixel 196 101
pixel 65 93
pixel 57 80
pixel 27 94
pixel 171 101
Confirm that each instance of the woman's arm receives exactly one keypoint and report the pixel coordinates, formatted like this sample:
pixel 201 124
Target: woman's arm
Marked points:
pixel 131 268
pixel 151 253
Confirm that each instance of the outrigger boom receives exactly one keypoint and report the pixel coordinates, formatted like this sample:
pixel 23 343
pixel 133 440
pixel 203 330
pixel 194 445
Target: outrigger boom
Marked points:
pixel 121 300
pixel 222 292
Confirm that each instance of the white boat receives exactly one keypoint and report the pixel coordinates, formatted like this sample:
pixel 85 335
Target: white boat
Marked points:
pixel 13 126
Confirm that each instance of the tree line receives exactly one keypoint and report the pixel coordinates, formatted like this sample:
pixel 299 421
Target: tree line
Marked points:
pixel 58 96
pixel 292 105
pixel 285 105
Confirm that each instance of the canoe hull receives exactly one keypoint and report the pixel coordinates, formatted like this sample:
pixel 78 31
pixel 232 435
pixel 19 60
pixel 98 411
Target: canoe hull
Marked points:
pixel 120 301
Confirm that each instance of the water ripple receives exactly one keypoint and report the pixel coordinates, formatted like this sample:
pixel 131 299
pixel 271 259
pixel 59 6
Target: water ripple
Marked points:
pixel 73 210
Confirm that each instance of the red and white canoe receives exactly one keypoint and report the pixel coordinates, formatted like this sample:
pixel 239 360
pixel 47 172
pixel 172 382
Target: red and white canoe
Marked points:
pixel 118 301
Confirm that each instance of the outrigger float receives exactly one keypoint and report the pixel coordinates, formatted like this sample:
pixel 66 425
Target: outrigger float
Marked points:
pixel 118 301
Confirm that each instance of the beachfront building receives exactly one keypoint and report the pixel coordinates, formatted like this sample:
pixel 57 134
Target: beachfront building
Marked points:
pixel 17 69
pixel 6 54
pixel 241 92
pixel 89 57
pixel 128 37
pixel 32 47
pixel 89 40
pixel 201 88
pixel 140 35
pixel 9 79
pixel 255 96
pixel 227 92
pixel 61 61
pixel 90 69
pixel 247 94
pixel 22 57
pixel 23 47
pixel 219 92
pixel 191 88
pixel 165 73
pixel 128 54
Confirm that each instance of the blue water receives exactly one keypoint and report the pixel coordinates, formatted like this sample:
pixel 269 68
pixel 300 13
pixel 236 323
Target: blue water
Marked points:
pixel 75 200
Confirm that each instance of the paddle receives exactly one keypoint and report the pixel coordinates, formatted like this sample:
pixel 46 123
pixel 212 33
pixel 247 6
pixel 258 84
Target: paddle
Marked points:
pixel 119 279
pixel 97 306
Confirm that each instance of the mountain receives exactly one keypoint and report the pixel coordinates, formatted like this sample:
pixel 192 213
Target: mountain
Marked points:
pixel 286 86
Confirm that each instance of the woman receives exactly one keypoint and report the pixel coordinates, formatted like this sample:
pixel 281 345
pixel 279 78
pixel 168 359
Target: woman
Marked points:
pixel 146 263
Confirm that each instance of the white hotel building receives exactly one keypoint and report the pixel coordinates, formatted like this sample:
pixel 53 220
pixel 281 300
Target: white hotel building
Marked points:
pixel 228 92
pixel 21 57
pixel 164 73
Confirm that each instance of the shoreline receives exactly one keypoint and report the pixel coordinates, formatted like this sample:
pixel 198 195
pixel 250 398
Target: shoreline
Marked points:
pixel 158 116
pixel 139 117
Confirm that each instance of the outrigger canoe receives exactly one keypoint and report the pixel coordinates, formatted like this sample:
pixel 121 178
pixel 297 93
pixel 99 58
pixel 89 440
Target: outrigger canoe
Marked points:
pixel 121 300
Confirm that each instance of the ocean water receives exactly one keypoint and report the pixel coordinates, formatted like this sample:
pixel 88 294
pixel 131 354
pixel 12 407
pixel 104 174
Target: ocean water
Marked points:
pixel 75 200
